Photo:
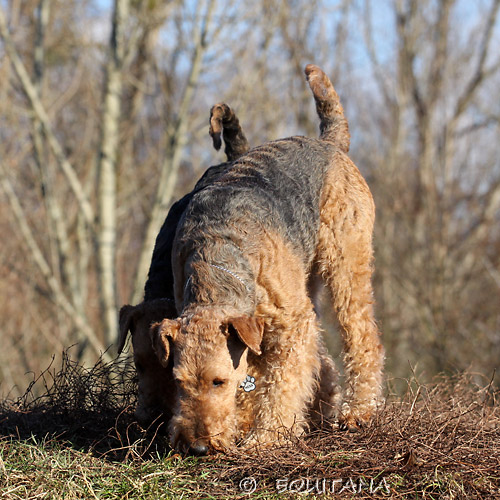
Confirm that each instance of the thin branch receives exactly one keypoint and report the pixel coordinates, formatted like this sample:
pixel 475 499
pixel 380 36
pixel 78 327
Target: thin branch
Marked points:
pixel 58 295
pixel 440 46
pixel 379 72
pixel 56 223
pixel 38 108
pixel 494 273
pixel 480 73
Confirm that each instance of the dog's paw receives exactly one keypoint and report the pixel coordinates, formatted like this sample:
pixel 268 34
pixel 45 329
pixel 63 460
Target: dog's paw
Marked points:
pixel 354 422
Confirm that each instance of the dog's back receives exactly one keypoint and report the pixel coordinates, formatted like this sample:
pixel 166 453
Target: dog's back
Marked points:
pixel 159 284
pixel 276 186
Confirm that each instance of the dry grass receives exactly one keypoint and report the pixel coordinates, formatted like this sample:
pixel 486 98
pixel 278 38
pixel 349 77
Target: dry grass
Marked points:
pixel 79 440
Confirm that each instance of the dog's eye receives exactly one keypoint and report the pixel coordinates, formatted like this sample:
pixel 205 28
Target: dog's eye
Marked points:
pixel 217 382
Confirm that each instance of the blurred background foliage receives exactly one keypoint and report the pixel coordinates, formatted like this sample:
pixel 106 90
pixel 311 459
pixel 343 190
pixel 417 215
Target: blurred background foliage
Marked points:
pixel 104 123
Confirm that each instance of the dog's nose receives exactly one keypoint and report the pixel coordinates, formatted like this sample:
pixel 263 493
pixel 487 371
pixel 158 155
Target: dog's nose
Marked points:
pixel 198 449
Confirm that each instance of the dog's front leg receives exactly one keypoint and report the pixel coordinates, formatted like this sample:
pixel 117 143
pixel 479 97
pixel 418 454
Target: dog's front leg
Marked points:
pixel 285 382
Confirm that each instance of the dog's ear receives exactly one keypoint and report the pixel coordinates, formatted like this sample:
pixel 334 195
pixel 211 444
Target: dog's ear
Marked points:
pixel 249 330
pixel 162 334
pixel 126 324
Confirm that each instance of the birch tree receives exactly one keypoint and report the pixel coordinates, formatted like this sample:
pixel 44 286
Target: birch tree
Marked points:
pixel 107 170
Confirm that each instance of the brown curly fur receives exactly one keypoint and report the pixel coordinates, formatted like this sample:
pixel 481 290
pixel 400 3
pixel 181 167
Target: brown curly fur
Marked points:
pixel 156 388
pixel 242 258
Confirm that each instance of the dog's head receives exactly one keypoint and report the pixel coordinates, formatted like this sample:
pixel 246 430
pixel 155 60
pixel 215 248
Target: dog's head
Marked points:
pixel 209 353
pixel 156 389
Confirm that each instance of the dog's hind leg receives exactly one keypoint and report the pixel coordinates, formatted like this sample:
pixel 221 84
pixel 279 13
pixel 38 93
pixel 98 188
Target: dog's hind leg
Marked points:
pixel 345 258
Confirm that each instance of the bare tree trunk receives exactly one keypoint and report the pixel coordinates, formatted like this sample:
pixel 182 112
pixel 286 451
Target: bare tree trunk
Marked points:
pixel 62 262
pixel 106 173
pixel 428 281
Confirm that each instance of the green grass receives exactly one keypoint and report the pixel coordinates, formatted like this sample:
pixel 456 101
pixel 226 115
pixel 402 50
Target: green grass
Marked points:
pixel 33 469
pixel 45 469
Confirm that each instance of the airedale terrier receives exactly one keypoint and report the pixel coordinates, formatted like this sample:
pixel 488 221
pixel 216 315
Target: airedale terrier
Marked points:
pixel 156 389
pixel 242 256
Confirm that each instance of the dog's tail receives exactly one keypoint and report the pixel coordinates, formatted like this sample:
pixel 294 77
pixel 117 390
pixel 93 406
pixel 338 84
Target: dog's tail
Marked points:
pixel 333 126
pixel 223 120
